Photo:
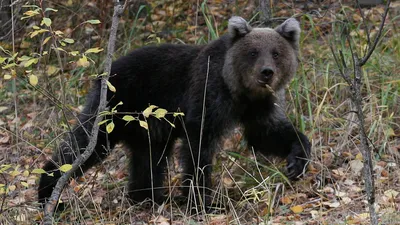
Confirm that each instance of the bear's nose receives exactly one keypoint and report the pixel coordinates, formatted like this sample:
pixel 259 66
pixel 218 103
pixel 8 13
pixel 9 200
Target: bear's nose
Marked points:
pixel 267 72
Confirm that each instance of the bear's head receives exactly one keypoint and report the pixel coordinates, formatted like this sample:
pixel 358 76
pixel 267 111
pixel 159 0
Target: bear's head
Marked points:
pixel 261 61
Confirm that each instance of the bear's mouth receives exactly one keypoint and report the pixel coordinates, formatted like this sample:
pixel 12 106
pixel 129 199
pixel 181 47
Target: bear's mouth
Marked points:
pixel 262 83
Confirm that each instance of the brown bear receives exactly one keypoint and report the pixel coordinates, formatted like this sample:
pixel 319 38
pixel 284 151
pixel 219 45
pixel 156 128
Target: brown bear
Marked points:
pixel 235 80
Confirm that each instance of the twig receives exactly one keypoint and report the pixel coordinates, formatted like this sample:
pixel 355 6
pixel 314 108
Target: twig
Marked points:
pixel 378 36
pixel 50 206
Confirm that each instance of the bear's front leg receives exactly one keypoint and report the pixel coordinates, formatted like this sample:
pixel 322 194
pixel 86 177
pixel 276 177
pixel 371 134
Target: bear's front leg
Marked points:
pixel 298 156
pixel 280 138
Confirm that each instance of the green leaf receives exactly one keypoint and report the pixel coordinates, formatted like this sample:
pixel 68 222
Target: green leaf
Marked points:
pixel 31 6
pixel 8 66
pixel 65 168
pixel 119 103
pixel 103 122
pixel 111 87
pixel 51 9
pixel 144 124
pixel 128 118
pixel 61 49
pixel 93 21
pixel 38 171
pixel 2 59
pixel 149 110
pixel 172 125
pixel 74 53
pixel 110 127
pixel 94 50
pixel 69 40
pixel 46 21
pixel 30 62
pixel 24 58
pixel 160 113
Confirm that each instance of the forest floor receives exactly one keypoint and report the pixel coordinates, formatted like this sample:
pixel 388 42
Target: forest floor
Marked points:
pixel 43 87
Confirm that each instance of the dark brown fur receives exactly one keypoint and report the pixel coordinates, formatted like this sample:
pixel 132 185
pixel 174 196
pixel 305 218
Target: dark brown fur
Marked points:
pixel 236 69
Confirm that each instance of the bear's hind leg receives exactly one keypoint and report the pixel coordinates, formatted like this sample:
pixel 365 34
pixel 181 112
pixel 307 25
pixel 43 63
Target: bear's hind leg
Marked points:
pixel 143 182
pixel 75 144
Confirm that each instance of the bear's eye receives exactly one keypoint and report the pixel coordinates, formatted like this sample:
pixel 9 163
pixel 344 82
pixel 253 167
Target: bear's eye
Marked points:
pixel 253 53
pixel 275 55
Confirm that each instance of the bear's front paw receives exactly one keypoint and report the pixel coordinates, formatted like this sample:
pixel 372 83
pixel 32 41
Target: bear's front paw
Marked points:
pixel 298 159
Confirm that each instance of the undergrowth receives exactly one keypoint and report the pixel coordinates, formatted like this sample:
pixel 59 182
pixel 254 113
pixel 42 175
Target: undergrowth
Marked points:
pixel 45 76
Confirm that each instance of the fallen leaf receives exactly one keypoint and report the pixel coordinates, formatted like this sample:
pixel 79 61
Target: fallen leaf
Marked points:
pixel 356 166
pixel 297 209
pixel 391 193
pixel 286 200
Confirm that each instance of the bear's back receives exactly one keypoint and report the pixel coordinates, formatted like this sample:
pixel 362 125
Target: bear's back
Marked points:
pixel 157 75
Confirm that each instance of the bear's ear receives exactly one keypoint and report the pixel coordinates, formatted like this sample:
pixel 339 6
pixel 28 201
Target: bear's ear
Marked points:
pixel 238 27
pixel 290 30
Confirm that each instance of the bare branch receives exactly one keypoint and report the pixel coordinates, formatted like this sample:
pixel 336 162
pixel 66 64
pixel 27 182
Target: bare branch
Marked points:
pixel 364 22
pixel 50 206
pixel 378 37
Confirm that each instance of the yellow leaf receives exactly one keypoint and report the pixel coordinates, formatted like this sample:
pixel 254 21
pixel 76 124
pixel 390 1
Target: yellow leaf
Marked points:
pixel 391 193
pixel 66 167
pixel 7 77
pixel 51 70
pixel 31 13
pixel 83 62
pixel 110 127
pixel 128 118
pixel 178 114
pixel 46 40
pixel 25 173
pixel 36 32
pixel 24 184
pixel 15 173
pixel 59 33
pixel 144 124
pixel 111 87
pixel 149 110
pixel 33 80
pixel 38 171
pixel 160 113
pixel 12 187
pixel 286 200
pixel 94 50
pixel 297 209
